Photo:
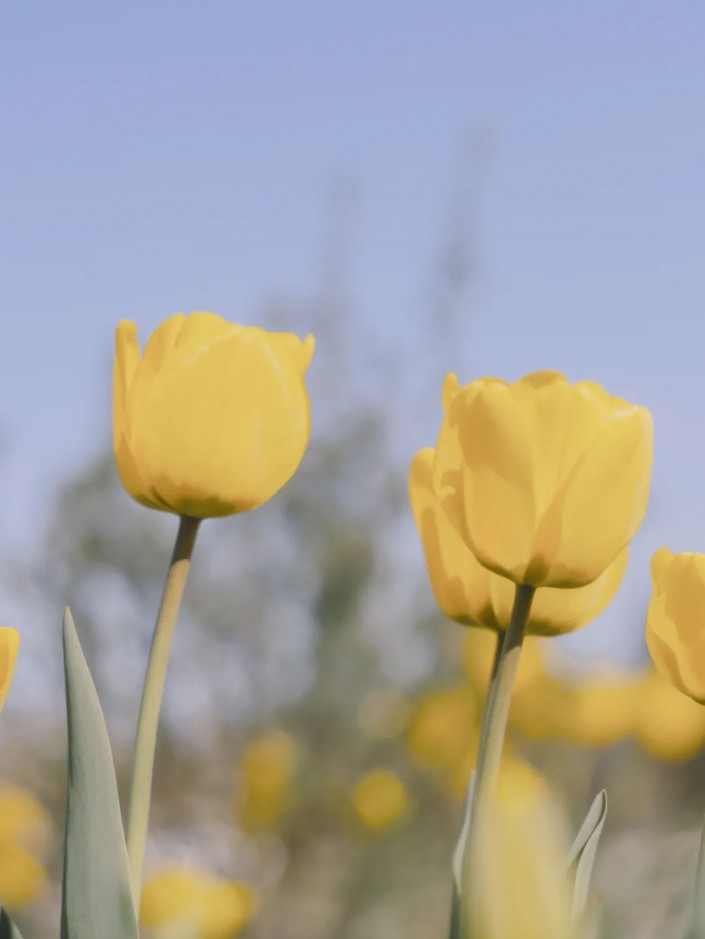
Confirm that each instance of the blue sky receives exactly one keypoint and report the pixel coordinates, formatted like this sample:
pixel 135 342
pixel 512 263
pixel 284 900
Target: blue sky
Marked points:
pixel 162 157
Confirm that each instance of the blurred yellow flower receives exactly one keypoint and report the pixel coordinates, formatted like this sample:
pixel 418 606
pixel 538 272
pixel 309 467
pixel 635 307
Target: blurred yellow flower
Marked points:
pixel 24 831
pixel 380 799
pixel 22 818
pixel 600 708
pixel 545 482
pixel 444 728
pixel 517 885
pixel 213 419
pixel 675 621
pixel 469 593
pixel 9 647
pixel 181 902
pixel 668 725
pixel 22 876
pixel 543 710
pixel 266 774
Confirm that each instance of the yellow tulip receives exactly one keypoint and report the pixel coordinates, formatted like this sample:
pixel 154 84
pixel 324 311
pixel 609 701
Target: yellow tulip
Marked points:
pixel 471 594
pixel 380 799
pixel 181 902
pixel 9 647
pixel 545 482
pixel 675 621
pixel 668 725
pixel 213 419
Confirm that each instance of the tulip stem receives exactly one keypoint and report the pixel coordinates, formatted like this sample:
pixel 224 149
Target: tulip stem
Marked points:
pixel 494 717
pixel 500 694
pixel 143 767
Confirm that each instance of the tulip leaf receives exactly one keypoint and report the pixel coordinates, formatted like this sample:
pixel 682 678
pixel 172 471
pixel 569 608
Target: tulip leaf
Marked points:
pixel 697 928
pixel 96 898
pixel 583 851
pixel 8 930
pixel 458 854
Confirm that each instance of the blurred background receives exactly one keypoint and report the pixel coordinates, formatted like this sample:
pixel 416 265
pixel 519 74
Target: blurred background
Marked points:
pixel 426 188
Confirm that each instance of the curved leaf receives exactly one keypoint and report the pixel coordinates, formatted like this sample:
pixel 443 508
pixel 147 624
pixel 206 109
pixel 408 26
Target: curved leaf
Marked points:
pixel 96 887
pixel 458 854
pixel 583 850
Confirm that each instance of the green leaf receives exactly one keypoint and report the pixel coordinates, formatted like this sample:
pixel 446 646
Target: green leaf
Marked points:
pixel 8 930
pixel 583 851
pixel 697 927
pixel 96 889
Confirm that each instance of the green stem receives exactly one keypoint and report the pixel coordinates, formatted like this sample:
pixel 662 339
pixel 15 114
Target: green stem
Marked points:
pixel 143 767
pixel 495 715
pixel 454 929
pixel 486 710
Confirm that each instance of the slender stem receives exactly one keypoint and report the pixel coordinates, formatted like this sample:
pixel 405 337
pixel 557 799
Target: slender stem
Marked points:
pixel 497 707
pixel 495 715
pixel 486 710
pixel 141 787
pixel 454 928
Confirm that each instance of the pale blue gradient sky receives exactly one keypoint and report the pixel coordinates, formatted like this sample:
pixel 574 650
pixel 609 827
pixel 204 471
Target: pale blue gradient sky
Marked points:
pixel 161 157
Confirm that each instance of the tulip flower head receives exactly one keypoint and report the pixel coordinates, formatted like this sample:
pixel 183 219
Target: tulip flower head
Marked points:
pixel 471 594
pixel 675 621
pixel 545 482
pixel 213 418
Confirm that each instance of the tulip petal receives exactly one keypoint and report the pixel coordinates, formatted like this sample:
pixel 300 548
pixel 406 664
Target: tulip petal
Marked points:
pixel 222 432
pixel 131 375
pixel 451 386
pixel 460 584
pixel 200 328
pixel 300 352
pixel 127 359
pixel 498 492
pixel 675 621
pixel 602 502
pixel 9 647
pixel 557 610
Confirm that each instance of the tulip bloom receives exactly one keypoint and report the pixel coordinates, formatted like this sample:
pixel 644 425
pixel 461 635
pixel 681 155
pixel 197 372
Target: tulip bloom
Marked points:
pixel 9 646
pixel 213 418
pixel 545 482
pixel 675 621
pixel 471 594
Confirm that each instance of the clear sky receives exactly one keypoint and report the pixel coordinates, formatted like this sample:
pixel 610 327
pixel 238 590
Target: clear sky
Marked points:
pixel 162 156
